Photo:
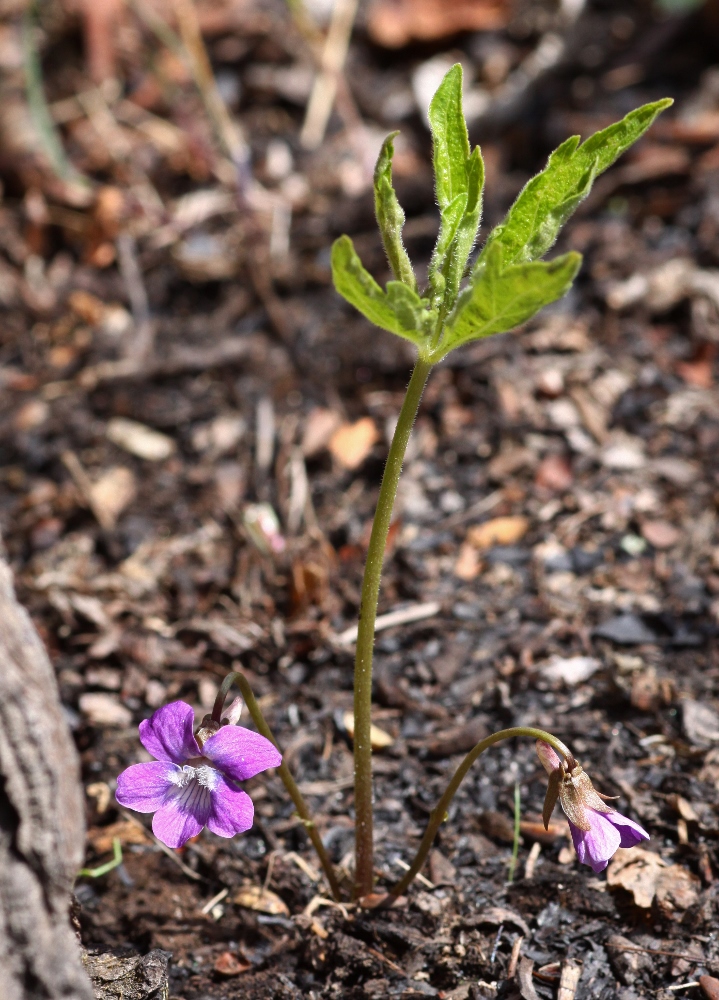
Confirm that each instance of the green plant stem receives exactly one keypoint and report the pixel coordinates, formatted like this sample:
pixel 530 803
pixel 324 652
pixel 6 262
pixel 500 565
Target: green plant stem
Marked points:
pixel 439 813
pixel 364 848
pixel 109 865
pixel 283 771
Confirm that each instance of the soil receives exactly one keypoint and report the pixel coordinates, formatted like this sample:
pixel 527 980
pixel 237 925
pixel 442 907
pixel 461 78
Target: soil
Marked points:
pixel 558 506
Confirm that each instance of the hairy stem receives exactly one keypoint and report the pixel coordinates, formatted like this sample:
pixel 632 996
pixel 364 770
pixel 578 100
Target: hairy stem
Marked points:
pixel 439 813
pixel 364 852
pixel 283 771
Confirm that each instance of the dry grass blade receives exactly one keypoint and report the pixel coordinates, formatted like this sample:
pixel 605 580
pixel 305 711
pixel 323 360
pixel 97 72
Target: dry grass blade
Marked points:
pixel 324 90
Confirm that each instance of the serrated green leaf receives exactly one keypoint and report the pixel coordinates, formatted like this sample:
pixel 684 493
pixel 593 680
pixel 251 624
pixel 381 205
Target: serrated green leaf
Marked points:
pixel 467 231
pixel 399 310
pixel 450 219
pixel 390 216
pixel 503 297
pixel 450 138
pixel 457 175
pixel 546 202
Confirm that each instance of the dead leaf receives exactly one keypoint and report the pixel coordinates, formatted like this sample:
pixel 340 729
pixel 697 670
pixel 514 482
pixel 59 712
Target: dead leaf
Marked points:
pixel 638 871
pixel 228 964
pixel 351 443
pixel 498 531
pixel 441 869
pixel 677 889
pixel 394 23
pixel 254 897
pixel 137 439
pixel 100 838
pixel 378 737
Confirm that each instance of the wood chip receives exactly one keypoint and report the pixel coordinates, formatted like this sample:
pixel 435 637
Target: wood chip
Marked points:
pixel 139 440
pixel 351 443
pixel 111 494
pixel 524 979
pixel 104 710
pixel 569 980
pixel 254 897
pixel 378 737
pixel 498 531
pixel 660 534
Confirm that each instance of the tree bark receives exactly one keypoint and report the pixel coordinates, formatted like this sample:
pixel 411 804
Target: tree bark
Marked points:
pixel 41 819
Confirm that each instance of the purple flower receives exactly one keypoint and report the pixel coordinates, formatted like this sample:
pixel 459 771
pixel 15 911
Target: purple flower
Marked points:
pixel 597 829
pixel 192 781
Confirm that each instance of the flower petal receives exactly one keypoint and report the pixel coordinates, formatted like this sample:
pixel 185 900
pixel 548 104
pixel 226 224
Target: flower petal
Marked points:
pixel 241 753
pixel 145 787
pixel 183 814
pixel 597 845
pixel 232 810
pixel 631 833
pixel 167 735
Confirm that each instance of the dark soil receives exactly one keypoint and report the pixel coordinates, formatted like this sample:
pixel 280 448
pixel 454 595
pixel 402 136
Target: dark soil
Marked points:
pixel 598 424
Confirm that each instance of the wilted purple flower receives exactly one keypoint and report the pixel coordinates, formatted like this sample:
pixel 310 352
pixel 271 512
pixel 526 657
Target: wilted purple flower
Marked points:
pixel 192 781
pixel 598 830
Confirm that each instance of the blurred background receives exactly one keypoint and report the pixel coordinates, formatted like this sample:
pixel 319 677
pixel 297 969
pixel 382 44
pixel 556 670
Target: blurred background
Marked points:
pixel 193 424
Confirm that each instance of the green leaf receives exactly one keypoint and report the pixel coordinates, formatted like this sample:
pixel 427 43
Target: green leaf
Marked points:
pixel 451 141
pixel 458 175
pixel 546 202
pixel 503 297
pixel 467 231
pixel 390 217
pixel 450 219
pixel 399 310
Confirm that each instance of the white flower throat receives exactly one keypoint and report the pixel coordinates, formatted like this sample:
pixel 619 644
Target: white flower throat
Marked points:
pixel 204 775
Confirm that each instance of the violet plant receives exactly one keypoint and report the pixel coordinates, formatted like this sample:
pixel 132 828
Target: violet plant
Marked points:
pixel 194 780
pixel 506 285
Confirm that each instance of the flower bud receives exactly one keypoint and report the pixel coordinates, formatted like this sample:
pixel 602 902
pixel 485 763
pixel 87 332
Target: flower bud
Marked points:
pixel 231 714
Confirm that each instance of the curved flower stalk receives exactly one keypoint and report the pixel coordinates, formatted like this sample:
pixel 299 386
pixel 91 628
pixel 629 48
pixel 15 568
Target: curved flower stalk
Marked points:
pixel 192 783
pixel 597 829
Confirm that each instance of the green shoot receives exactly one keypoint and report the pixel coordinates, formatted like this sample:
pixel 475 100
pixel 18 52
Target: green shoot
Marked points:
pixel 108 866
pixel 506 286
